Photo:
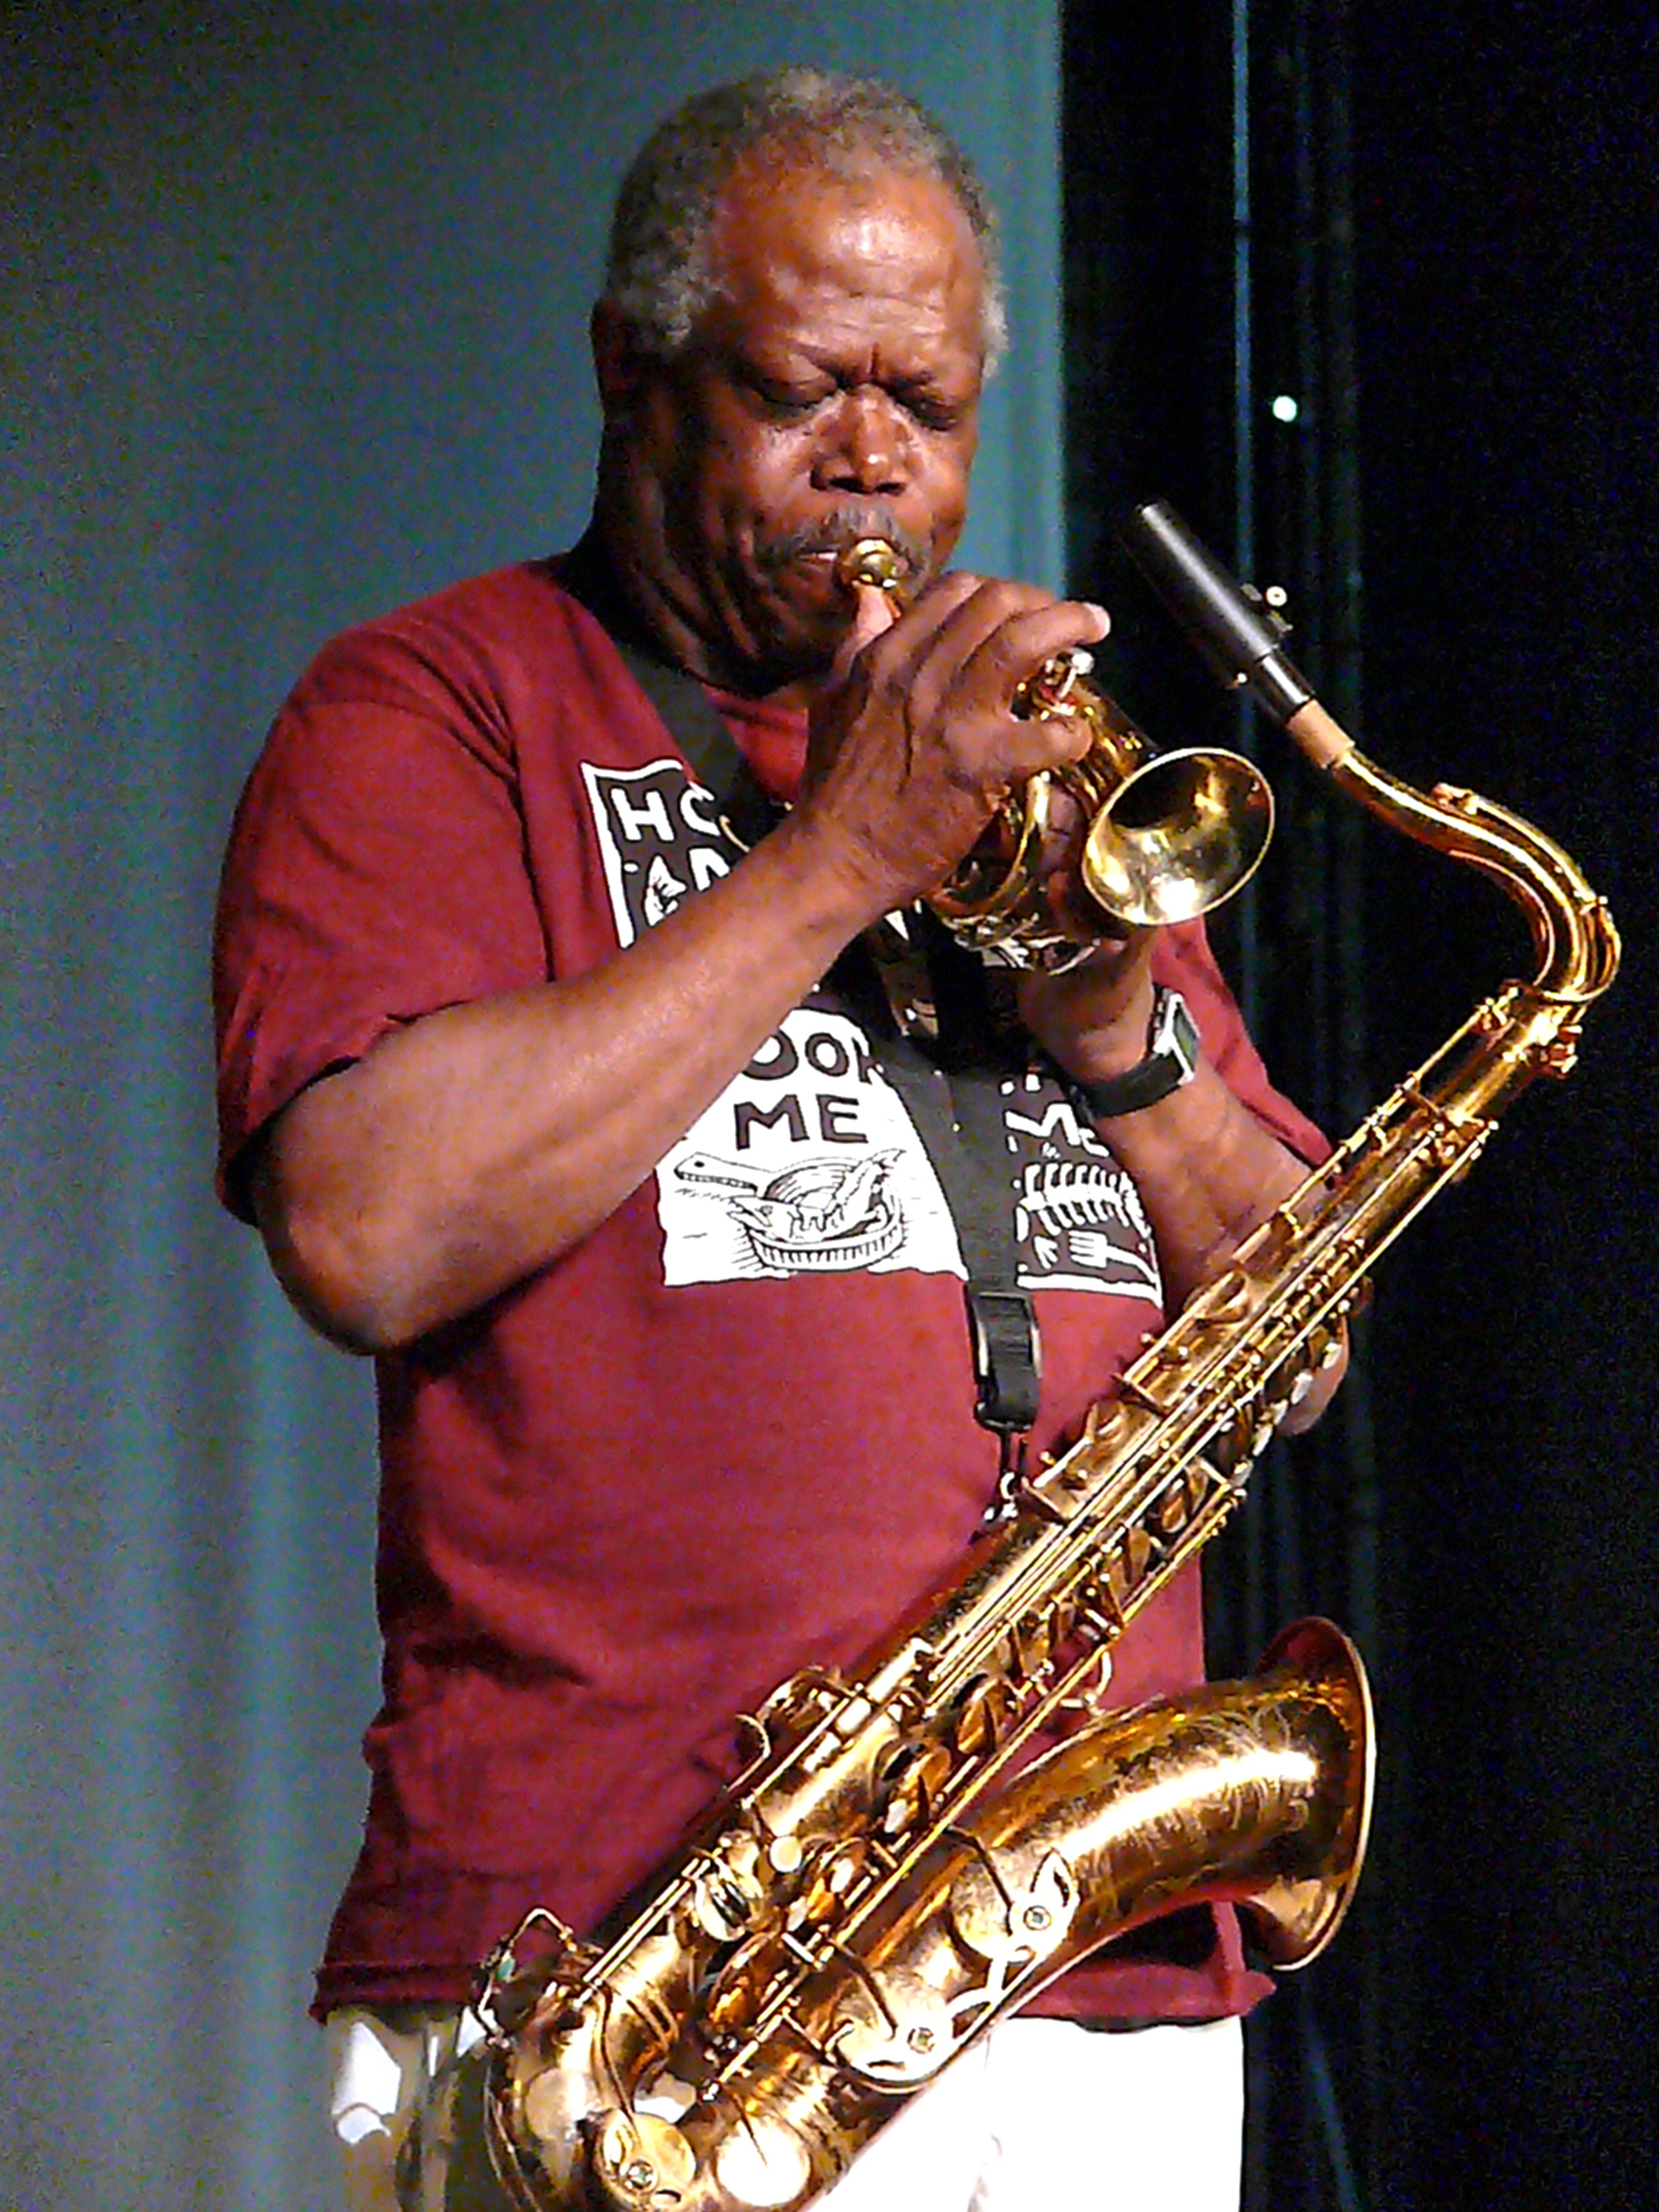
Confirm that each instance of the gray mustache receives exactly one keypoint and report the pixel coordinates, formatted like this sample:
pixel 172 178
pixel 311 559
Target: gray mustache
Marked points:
pixel 832 533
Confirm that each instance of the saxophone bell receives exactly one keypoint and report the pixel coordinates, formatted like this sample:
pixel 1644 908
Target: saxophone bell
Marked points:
pixel 1169 836
pixel 1255 1793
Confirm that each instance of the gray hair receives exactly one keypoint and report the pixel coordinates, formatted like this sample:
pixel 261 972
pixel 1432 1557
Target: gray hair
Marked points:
pixel 659 272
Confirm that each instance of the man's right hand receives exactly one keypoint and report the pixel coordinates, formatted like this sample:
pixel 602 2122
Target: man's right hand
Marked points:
pixel 914 737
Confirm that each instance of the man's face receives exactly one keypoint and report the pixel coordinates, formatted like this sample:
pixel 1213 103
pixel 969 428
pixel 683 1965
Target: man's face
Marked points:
pixel 830 391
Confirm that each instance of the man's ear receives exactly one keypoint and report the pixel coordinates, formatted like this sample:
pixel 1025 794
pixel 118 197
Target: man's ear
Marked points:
pixel 618 359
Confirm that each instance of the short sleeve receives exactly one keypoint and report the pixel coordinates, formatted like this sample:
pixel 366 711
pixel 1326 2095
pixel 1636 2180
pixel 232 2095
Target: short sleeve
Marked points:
pixel 375 872
pixel 1182 959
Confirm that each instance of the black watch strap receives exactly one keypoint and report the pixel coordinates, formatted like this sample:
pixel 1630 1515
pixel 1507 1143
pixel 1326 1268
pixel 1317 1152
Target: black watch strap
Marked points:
pixel 1171 1060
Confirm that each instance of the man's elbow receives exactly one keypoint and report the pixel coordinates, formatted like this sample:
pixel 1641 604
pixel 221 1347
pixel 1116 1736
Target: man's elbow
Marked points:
pixel 343 1267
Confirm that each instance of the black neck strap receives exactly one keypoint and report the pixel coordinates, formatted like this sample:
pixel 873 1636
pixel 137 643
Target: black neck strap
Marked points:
pixel 952 1086
pixel 688 713
pixel 952 1089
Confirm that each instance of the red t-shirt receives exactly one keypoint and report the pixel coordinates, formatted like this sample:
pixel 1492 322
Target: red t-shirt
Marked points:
pixel 730 1434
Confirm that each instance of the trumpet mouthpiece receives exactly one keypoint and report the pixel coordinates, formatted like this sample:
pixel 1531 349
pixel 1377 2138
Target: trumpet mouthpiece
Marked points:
pixel 870 561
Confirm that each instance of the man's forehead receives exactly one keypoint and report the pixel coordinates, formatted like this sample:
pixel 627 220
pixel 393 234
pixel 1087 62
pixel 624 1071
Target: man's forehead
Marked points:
pixel 783 227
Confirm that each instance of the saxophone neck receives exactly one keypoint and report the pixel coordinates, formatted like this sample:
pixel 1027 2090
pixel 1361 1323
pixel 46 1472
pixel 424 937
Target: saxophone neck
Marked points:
pixel 1575 941
pixel 1241 632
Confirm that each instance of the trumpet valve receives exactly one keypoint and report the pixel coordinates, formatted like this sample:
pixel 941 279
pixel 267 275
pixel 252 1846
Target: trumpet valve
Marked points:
pixel 1051 688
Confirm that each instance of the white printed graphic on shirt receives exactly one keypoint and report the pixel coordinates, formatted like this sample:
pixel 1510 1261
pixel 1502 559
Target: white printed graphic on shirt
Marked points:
pixel 808 1163
pixel 1078 1217
pixel 661 839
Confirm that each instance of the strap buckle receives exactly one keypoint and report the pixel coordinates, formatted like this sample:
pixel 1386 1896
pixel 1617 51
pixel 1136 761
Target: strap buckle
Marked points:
pixel 1007 1359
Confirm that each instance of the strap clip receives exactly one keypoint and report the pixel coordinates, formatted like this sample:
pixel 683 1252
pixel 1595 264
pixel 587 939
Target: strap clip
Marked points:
pixel 1007 1359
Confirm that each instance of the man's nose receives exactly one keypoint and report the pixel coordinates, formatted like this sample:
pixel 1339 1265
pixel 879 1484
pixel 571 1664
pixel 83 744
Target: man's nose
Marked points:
pixel 865 448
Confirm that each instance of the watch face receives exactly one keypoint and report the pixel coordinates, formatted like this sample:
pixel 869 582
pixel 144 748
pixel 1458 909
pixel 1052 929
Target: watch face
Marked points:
pixel 1184 1034
pixel 1175 1035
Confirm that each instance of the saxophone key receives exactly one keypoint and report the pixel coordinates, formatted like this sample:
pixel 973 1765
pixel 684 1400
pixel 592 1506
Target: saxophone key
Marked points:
pixel 642 2162
pixel 832 1879
pixel 1173 1508
pixel 742 1986
pixel 913 1784
pixel 987 1707
pixel 1031 1645
pixel 725 1895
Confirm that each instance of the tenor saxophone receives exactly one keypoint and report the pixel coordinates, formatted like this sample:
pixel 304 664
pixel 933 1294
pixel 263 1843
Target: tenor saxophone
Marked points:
pixel 895 1870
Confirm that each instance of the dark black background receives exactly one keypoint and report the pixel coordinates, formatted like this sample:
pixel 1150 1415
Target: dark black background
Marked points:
pixel 1452 256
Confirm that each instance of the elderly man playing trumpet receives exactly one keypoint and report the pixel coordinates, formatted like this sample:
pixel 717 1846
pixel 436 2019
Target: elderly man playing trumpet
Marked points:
pixel 560 1009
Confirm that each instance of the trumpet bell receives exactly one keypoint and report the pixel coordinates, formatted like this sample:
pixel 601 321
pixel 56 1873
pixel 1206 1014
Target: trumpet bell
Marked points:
pixel 1169 836
pixel 1178 837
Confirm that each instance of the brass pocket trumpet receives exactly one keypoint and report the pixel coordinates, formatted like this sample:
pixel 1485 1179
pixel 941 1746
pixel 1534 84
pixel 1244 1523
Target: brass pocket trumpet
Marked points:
pixel 1169 836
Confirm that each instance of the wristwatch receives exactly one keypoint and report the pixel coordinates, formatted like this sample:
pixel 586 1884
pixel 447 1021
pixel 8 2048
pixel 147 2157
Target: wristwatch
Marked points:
pixel 1171 1060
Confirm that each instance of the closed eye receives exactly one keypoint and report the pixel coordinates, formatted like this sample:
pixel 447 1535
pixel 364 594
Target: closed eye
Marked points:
pixel 933 409
pixel 933 412
pixel 788 402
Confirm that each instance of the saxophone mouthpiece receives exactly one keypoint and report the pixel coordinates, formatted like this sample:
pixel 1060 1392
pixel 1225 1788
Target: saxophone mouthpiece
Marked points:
pixel 1234 628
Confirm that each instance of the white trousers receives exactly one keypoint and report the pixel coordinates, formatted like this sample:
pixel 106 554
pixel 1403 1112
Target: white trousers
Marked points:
pixel 1041 2115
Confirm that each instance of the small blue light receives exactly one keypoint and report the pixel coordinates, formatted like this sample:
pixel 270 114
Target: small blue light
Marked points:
pixel 1286 408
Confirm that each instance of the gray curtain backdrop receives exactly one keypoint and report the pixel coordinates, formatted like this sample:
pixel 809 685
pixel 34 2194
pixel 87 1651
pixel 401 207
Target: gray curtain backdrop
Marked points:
pixel 293 331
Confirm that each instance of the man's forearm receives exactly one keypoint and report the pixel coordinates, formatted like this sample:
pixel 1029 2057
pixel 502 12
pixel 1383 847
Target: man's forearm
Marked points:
pixel 1208 1173
pixel 485 1140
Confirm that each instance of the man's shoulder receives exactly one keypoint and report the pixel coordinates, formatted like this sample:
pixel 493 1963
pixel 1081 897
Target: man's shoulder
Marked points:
pixel 523 597
pixel 487 633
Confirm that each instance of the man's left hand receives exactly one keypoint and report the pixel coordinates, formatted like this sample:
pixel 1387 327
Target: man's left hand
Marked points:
pixel 1095 1018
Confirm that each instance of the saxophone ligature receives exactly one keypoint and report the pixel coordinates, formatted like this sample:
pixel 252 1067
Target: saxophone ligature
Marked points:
pixel 880 1885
